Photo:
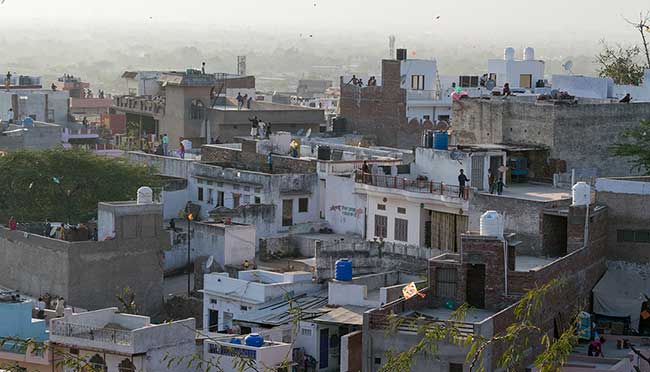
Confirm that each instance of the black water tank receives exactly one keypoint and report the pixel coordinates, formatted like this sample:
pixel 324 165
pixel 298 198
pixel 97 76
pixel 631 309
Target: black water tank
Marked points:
pixel 339 125
pixel 324 153
pixel 401 54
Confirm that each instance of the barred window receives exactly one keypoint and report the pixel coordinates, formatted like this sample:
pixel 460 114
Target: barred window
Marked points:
pixel 401 230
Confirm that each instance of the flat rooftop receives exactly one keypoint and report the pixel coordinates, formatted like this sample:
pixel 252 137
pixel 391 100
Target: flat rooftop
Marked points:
pixel 531 263
pixel 534 192
pixel 442 313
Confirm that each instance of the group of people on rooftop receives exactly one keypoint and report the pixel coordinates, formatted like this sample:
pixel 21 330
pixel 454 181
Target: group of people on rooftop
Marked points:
pixel 372 81
pixel 243 100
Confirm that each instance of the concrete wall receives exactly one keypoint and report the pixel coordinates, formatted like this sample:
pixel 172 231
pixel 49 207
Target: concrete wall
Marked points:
pixel 523 217
pixel 345 210
pixel 86 274
pixel 40 137
pixel 45 104
pixel 579 134
pixel 628 202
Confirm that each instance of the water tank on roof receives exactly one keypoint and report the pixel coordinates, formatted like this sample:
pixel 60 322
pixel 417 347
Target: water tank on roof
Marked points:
pixel 441 140
pixel 492 224
pixel 254 340
pixel 343 270
pixel 581 194
pixel 509 54
pixel 145 195
pixel 324 153
pixel 529 54
pixel 427 139
pixel 401 54
pixel 235 341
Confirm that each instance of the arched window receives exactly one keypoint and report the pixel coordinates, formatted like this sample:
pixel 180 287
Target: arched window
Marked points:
pixel 197 109
pixel 126 366
pixel 98 363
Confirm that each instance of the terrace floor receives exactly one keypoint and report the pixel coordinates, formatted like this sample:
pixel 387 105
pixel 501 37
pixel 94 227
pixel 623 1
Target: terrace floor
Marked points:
pixel 535 192
pixel 528 263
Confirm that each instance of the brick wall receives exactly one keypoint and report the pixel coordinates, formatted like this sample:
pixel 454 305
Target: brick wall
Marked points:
pixel 255 162
pixel 379 112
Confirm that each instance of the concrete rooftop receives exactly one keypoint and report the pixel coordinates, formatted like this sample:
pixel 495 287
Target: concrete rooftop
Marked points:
pixel 534 192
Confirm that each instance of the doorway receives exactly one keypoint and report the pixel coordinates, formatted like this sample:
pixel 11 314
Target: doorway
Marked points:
pixel 213 321
pixel 476 285
pixel 324 348
pixel 476 178
pixel 526 81
pixel 287 212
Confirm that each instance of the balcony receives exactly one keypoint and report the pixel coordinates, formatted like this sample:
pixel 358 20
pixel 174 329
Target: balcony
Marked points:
pixel 417 186
pixel 422 95
pixel 154 106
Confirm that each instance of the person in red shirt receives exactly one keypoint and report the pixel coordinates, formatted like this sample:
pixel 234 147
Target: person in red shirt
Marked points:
pixel 596 347
pixel 13 224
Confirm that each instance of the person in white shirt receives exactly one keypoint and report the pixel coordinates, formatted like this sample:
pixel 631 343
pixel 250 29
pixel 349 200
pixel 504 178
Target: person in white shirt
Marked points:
pixel 10 116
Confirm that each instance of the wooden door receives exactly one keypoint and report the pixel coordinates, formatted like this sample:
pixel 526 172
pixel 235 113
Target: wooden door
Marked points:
pixel 476 286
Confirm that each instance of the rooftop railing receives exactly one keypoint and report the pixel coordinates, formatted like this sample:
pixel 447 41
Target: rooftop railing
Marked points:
pixel 154 105
pixel 86 332
pixel 412 185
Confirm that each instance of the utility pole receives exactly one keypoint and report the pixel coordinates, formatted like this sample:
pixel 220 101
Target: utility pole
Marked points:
pixel 189 217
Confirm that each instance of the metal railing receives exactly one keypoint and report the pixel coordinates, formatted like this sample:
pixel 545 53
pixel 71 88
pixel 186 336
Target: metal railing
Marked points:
pixel 86 332
pixel 424 95
pixel 145 104
pixel 412 185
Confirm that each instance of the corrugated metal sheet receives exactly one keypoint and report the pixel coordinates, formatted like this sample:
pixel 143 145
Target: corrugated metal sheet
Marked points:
pixel 352 315
pixel 304 306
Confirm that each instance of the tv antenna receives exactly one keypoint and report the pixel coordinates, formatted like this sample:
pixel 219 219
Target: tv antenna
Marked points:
pixel 567 66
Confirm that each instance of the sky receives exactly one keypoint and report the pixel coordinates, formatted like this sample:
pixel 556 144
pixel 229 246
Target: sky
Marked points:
pixel 462 20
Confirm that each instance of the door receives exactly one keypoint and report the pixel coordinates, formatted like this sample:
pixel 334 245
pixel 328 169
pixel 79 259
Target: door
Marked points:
pixel 287 212
pixel 476 285
pixel 324 348
pixel 476 178
pixel 526 81
pixel 213 320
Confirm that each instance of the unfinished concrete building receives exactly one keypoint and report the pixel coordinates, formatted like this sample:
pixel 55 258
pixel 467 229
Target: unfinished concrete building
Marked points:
pixel 576 135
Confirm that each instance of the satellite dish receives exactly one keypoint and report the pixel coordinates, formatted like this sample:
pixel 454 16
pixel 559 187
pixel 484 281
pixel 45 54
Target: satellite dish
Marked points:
pixel 491 84
pixel 441 125
pixel 209 262
pixel 456 154
pixel 567 66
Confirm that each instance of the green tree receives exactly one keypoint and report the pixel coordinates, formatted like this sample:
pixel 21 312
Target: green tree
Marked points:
pixel 65 186
pixel 636 145
pixel 620 63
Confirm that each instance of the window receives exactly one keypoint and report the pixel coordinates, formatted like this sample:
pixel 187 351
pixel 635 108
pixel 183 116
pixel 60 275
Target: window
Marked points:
pixel 243 308
pixel 220 198
pixel 258 200
pixel 446 280
pixel 305 331
pixel 258 190
pixel 235 187
pixel 126 366
pixel 98 363
pixel 197 109
pixel 377 360
pixel 526 81
pixel 235 200
pixel 633 236
pixel 247 188
pixel 303 205
pixel 381 207
pixel 381 226
pixel 401 210
pixel 455 367
pixel 213 301
pixel 247 199
pixel 287 212
pixel 468 81
pixel 401 230
pixel 219 184
pixel 417 82
pixel 426 117
pixel 200 196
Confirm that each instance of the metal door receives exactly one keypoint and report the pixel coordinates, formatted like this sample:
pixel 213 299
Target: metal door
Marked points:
pixel 324 355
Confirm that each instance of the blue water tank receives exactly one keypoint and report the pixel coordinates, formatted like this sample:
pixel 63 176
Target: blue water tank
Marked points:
pixel 343 270
pixel 28 122
pixel 235 341
pixel 254 340
pixel 441 141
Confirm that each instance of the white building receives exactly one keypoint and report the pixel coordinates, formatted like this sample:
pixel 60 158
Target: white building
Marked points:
pixel 40 104
pixel 226 299
pixel 142 83
pixel 601 88
pixel 521 74
pixel 114 342
pixel 275 356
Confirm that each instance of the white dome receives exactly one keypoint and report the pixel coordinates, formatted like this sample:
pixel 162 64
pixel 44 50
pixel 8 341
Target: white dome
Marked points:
pixel 529 54
pixel 581 194
pixel 145 195
pixel 492 224
pixel 509 54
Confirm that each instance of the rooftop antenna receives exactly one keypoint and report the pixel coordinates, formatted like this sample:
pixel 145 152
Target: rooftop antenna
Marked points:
pixel 391 46
pixel 567 66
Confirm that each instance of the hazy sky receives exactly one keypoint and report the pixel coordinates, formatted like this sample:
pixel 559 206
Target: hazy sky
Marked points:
pixel 560 19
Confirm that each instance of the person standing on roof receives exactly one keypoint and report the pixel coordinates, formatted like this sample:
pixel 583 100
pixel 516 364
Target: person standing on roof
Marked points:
pixel 506 89
pixel 165 143
pixel 240 101
pixel 10 116
pixel 203 68
pixel 462 180
pixel 181 148
pixel 626 99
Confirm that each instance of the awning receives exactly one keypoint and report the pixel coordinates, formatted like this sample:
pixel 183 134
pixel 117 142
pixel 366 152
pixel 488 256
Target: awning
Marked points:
pixel 621 293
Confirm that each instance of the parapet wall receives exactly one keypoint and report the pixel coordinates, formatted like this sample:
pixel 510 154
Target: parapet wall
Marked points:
pixel 87 274
pixel 255 162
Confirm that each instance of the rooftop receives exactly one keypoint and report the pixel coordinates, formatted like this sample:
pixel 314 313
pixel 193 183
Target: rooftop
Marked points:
pixel 534 192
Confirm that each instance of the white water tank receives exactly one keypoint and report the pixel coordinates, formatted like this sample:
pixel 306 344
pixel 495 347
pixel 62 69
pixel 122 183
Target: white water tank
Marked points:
pixel 529 54
pixel 509 54
pixel 581 194
pixel 145 195
pixel 492 224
